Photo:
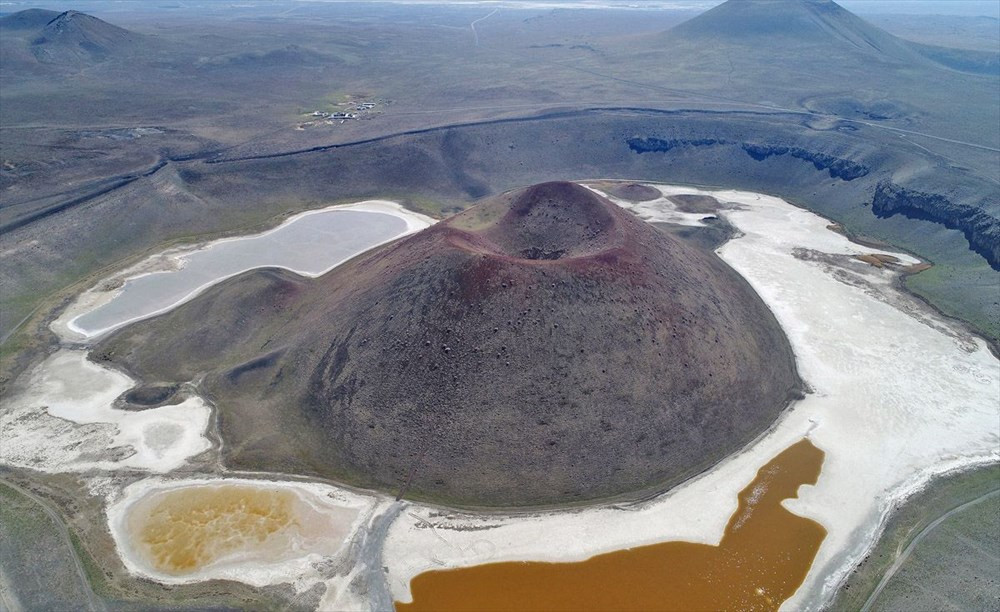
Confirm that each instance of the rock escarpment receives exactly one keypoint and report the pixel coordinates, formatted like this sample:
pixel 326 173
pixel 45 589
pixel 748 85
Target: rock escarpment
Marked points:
pixel 981 229
pixel 843 169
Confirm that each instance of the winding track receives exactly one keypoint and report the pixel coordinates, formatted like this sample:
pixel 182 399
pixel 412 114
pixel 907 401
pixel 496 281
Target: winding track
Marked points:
pixel 901 559
pixel 473 24
pixel 379 595
pixel 92 603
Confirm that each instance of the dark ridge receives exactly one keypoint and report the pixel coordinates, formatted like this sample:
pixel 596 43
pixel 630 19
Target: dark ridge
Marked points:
pixel 663 145
pixel 149 396
pixel 472 187
pixel 59 207
pixel 837 167
pixel 843 169
pixel 259 363
pixel 218 157
pixel 980 228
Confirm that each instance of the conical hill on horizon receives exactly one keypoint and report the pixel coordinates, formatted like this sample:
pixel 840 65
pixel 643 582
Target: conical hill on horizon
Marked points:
pixel 69 38
pixel 791 28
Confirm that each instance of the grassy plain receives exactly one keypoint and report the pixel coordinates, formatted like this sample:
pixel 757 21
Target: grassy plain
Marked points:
pixel 954 567
pixel 40 567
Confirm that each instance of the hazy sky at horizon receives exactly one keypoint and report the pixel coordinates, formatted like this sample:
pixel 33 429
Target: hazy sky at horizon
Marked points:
pixel 972 8
pixel 988 8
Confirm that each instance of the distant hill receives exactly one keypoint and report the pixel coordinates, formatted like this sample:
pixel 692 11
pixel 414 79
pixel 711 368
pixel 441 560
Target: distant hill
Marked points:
pixel 962 60
pixel 800 30
pixel 809 21
pixel 31 19
pixel 70 38
pixel 288 56
pixel 81 37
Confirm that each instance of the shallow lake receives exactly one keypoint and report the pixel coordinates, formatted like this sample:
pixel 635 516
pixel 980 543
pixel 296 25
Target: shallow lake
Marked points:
pixel 762 559
pixel 309 244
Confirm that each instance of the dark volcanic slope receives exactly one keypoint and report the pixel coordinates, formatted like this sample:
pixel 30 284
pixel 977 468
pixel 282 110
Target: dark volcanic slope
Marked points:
pixel 30 19
pixel 542 347
pixel 69 38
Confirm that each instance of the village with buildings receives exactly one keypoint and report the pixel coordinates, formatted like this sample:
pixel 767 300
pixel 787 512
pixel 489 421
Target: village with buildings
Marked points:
pixel 350 110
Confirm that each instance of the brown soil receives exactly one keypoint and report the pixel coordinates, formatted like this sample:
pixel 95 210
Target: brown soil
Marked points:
pixel 185 530
pixel 543 347
pixel 870 260
pixel 915 268
pixel 878 260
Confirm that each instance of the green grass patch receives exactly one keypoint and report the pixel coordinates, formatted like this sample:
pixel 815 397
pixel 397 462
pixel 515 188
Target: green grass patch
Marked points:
pixel 906 523
pixel 972 295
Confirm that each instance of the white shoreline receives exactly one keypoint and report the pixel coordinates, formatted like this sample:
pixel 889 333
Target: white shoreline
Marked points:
pixel 65 326
pixel 297 570
pixel 65 422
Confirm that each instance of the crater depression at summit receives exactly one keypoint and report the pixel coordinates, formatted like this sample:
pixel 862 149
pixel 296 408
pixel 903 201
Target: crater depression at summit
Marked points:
pixel 544 346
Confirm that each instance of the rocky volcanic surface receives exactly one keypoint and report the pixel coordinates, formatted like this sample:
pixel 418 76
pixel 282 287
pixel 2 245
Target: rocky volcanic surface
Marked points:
pixel 542 347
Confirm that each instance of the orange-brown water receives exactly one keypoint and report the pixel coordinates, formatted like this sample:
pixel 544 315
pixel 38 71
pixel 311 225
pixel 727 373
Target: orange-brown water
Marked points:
pixel 184 530
pixel 762 559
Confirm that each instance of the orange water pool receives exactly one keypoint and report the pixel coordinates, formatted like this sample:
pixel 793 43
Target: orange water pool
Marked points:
pixel 762 559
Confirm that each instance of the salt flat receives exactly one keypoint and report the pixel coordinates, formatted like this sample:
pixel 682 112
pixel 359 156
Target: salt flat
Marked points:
pixel 898 396
pixel 64 421
pixel 659 210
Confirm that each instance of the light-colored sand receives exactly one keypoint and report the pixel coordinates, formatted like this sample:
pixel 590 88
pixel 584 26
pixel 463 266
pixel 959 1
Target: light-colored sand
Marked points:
pixel 660 210
pixel 64 422
pixel 70 326
pixel 322 520
pixel 899 396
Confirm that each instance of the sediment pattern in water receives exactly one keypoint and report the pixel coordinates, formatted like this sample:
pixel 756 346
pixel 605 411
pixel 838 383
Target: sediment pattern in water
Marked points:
pixel 184 530
pixel 762 559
